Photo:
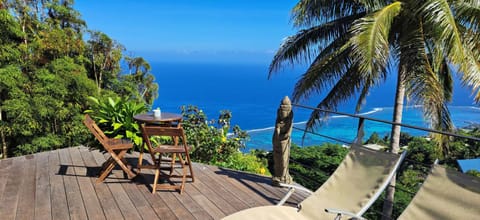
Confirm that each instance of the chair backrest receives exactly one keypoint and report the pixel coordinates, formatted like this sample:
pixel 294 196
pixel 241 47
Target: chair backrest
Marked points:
pixel 445 194
pixel 95 130
pixel 355 185
pixel 154 130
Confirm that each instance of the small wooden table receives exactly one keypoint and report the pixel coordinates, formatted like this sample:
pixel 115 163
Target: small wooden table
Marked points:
pixel 165 119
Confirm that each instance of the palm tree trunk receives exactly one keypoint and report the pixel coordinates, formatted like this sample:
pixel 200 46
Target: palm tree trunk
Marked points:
pixel 395 141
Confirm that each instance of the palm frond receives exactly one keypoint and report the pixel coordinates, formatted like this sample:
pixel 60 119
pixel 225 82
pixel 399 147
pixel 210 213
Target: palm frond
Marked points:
pixel 369 83
pixel 467 12
pixel 345 88
pixel 327 68
pixel 448 38
pixel 371 39
pixel 307 13
pixel 432 90
pixel 301 45
pixel 372 5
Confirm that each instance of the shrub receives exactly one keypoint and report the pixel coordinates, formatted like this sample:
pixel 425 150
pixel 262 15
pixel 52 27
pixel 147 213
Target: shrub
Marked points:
pixel 210 139
pixel 245 162
pixel 214 142
pixel 311 166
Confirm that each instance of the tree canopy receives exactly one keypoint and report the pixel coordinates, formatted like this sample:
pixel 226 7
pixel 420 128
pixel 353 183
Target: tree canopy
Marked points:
pixel 50 62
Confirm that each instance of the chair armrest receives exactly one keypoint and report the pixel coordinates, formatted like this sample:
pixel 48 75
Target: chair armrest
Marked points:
pixel 341 213
pixel 291 189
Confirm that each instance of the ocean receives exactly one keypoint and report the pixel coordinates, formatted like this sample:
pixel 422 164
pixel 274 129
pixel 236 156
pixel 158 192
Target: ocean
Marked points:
pixel 253 99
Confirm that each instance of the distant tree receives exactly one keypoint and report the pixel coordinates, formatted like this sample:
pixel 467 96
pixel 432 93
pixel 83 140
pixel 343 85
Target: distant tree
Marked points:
pixel 375 139
pixel 104 55
pixel 141 75
pixel 62 13
pixel 10 55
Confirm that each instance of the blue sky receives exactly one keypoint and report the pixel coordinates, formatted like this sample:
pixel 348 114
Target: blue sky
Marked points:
pixel 196 30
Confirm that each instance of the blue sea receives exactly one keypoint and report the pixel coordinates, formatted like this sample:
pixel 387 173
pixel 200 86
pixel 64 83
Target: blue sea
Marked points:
pixel 253 99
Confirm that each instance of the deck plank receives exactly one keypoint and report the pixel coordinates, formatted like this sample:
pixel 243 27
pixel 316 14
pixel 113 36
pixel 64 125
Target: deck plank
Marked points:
pixel 57 188
pixel 9 202
pixel 137 198
pixel 27 192
pixel 105 197
pixel 76 206
pixel 5 166
pixel 155 200
pixel 176 206
pixel 124 203
pixel 43 204
pixel 237 186
pixel 200 198
pixel 217 193
pixel 91 202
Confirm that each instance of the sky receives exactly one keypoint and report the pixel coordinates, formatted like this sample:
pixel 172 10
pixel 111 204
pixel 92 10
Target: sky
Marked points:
pixel 193 30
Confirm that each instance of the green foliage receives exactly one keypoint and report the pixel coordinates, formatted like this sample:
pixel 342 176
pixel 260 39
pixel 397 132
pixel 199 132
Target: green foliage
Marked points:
pixel 213 144
pixel 461 148
pixel 375 139
pixel 47 71
pixel 210 139
pixel 245 162
pixel 473 173
pixel 115 117
pixel 311 166
pixel 48 142
pixel 421 151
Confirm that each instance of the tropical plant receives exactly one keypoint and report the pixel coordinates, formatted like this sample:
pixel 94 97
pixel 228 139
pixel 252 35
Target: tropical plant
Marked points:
pixel 354 46
pixel 115 117
pixel 210 139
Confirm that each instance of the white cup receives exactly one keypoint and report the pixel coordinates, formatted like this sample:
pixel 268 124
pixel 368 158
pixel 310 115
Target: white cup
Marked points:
pixel 157 113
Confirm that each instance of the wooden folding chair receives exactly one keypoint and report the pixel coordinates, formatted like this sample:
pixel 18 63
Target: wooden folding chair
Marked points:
pixel 178 148
pixel 116 147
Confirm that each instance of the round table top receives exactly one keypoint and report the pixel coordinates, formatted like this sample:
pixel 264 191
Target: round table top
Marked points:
pixel 164 117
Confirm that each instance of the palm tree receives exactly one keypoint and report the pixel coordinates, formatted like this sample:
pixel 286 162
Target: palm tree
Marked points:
pixel 146 86
pixel 355 45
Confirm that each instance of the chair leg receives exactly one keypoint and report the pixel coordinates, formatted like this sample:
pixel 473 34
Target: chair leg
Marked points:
pixel 190 166
pixel 155 181
pixel 140 160
pixel 104 173
pixel 120 161
pixel 106 164
pixel 172 163
pixel 184 176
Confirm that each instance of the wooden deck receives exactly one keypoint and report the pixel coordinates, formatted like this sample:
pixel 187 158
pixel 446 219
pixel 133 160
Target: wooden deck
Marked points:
pixel 60 184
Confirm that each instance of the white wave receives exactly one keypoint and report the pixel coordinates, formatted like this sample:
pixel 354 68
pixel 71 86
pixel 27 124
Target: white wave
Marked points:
pixel 476 108
pixel 375 110
pixel 260 129
pixel 305 122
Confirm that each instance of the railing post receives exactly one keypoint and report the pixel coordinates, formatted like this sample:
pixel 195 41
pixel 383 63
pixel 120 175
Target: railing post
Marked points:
pixel 281 141
pixel 360 131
